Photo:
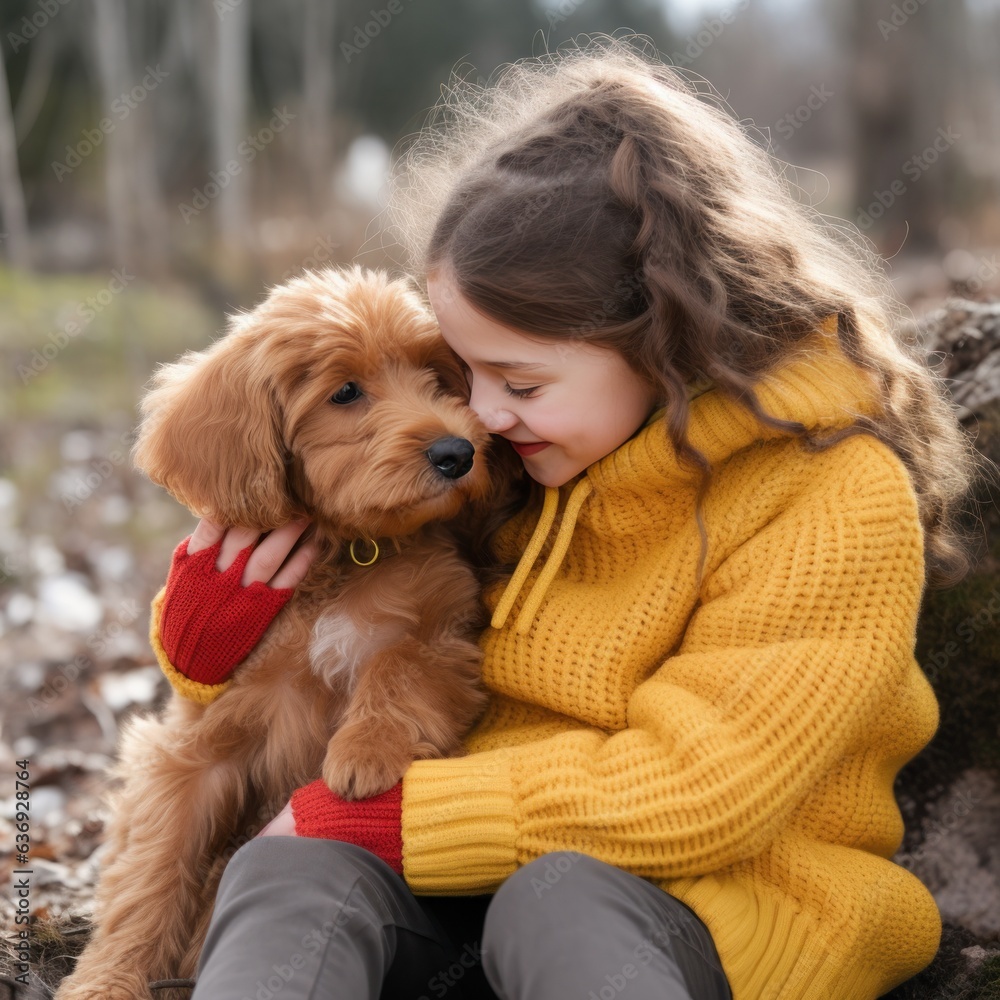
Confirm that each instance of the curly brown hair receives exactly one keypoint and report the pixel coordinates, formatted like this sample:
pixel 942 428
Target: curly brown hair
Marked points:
pixel 598 193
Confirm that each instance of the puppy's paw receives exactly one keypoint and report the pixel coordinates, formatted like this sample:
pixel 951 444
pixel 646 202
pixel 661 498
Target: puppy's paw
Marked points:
pixel 357 768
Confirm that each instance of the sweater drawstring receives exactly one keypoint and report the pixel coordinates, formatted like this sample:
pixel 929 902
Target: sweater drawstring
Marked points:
pixel 528 558
pixel 535 596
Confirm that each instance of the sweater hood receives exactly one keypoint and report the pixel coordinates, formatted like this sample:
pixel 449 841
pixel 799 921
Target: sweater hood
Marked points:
pixel 819 388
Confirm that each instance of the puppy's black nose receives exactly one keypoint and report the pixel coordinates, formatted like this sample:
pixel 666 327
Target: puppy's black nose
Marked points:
pixel 451 456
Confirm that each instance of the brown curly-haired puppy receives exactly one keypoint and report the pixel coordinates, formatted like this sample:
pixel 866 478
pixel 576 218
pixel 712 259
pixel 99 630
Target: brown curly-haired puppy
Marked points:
pixel 336 398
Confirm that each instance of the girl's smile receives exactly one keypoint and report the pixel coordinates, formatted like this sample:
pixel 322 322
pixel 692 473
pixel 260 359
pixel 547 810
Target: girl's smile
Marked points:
pixel 524 449
pixel 562 403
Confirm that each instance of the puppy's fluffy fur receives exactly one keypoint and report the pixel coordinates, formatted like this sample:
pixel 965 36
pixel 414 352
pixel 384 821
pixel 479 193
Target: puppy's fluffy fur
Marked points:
pixel 366 668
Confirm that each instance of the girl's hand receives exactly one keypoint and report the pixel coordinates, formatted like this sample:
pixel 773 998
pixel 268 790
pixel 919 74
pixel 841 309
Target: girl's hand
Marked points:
pixel 375 823
pixel 223 591
pixel 266 563
pixel 283 825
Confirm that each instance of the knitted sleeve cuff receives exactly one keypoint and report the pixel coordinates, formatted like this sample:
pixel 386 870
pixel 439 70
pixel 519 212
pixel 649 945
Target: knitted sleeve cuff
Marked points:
pixel 203 694
pixel 459 827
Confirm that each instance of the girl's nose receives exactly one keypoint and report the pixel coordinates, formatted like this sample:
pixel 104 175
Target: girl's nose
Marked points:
pixel 495 417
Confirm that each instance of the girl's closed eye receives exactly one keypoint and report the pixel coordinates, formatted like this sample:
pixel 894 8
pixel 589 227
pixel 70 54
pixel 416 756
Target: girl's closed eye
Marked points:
pixel 520 393
pixel 507 387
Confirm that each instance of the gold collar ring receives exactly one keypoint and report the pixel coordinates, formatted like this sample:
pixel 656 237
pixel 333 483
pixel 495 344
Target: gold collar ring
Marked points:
pixel 357 561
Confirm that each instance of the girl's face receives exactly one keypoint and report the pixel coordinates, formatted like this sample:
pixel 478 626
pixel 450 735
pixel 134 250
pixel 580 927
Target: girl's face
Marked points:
pixel 562 404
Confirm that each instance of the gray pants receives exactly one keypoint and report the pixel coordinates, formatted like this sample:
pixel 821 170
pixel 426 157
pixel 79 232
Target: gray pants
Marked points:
pixel 297 918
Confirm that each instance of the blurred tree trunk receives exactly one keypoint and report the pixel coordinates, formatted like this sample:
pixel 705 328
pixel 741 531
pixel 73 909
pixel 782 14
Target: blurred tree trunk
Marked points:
pixel 111 58
pixel 15 214
pixel 36 83
pixel 180 133
pixel 317 71
pixel 197 27
pixel 229 121
pixel 135 213
pixel 905 96
pixel 151 213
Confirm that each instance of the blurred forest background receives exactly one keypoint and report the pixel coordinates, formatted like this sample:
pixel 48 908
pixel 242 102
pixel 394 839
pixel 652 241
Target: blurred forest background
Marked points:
pixel 163 161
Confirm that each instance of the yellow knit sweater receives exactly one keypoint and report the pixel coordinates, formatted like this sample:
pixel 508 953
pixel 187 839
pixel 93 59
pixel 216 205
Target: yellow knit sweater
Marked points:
pixel 733 743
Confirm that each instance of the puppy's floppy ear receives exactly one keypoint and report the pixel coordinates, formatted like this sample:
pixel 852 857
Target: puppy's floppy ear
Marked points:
pixel 211 436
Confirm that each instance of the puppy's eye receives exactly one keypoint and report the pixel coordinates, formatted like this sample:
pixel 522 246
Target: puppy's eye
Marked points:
pixel 347 393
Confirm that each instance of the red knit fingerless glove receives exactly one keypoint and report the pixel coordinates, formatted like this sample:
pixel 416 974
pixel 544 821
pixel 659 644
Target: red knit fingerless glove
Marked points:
pixel 375 823
pixel 210 622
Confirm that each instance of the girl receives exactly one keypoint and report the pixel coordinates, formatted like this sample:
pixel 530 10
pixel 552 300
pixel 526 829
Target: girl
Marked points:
pixel 739 479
